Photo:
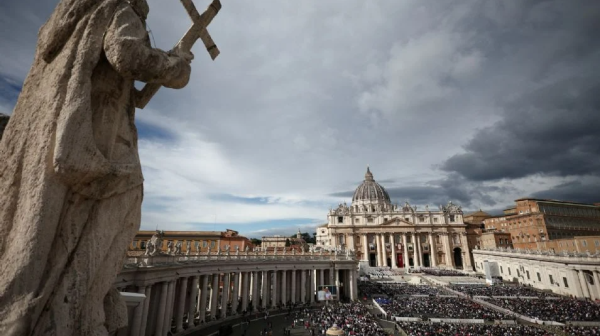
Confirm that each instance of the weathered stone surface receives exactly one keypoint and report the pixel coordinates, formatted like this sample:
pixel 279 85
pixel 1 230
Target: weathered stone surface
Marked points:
pixel 70 176
pixel 3 121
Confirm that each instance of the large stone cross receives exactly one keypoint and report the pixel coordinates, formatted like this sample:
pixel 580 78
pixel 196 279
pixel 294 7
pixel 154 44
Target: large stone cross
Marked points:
pixel 185 44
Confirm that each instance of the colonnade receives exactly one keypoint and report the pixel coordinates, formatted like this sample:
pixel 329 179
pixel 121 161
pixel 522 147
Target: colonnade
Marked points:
pixel 193 297
pixel 441 250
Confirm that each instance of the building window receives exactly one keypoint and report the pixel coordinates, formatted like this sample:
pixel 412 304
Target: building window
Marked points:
pixel 204 244
pixel 212 244
pixel 369 220
pixel 143 245
pixel 597 242
pixel 135 244
pixel 407 219
pixel 527 272
pixel 501 270
pixel 551 279
pixel 539 276
pixel 340 219
pixel 509 273
pixel 355 220
pixel 584 243
pixel 435 219
pixel 451 218
pixel 565 282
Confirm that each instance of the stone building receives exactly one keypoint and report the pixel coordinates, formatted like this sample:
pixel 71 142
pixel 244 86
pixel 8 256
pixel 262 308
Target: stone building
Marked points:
pixel 495 239
pixel 539 220
pixel 388 235
pixel 280 241
pixel 195 240
pixel 576 244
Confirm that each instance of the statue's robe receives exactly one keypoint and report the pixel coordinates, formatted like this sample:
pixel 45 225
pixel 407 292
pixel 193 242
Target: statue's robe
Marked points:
pixel 70 176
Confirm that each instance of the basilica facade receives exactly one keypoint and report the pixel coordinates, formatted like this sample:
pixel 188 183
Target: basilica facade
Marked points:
pixel 388 235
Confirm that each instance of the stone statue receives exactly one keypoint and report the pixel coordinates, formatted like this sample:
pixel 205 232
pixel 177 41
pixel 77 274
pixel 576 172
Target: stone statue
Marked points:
pixel 237 250
pixel 156 241
pixel 188 247
pixel 208 251
pixel 71 180
pixel 275 251
pixel 178 248
pixel 170 248
pixel 247 249
pixel 149 249
pixel 219 250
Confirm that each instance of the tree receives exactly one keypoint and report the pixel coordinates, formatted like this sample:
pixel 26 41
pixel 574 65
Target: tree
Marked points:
pixel 288 243
pixel 255 241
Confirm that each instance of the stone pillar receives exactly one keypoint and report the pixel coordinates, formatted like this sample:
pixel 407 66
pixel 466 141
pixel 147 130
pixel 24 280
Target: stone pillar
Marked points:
pixel 384 251
pixel 193 299
pixel 138 313
pixel 181 304
pixel 393 245
pixel 162 308
pixel 432 251
pixel 169 313
pixel 146 311
pixel 303 287
pixel 596 281
pixel 276 290
pixel 203 295
pixel 313 278
pixel 245 290
pixel 379 249
pixel 350 243
pixel 584 284
pixel 354 283
pixel 365 246
pixel 293 294
pixel 265 289
pixel 405 247
pixel 225 294
pixel 235 293
pixel 214 295
pixel 322 275
pixel 284 297
pixel 448 250
pixel 255 299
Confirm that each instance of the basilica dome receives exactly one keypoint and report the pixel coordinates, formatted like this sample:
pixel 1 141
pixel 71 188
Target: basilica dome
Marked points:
pixel 370 192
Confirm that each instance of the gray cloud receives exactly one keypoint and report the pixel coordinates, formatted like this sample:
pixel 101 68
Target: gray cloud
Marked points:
pixel 574 191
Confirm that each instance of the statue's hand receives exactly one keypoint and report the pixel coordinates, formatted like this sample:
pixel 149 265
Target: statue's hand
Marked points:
pixel 180 65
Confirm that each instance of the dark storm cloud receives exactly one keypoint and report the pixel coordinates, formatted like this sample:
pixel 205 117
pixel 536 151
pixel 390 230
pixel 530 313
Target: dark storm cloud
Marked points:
pixel 552 131
pixel 574 191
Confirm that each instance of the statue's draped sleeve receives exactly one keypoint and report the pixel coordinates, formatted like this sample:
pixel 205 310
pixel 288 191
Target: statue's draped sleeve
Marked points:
pixel 130 54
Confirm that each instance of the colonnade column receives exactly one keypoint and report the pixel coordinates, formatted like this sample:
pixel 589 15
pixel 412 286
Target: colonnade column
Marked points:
pixel 181 304
pixel 170 304
pixel 596 281
pixel 384 251
pixel 405 247
pixel 203 295
pixel 245 290
pixel 322 276
pixel 284 287
pixel 138 314
pixel 379 256
pixel 365 246
pixel 145 313
pixel 420 247
pixel 264 290
pixel 275 300
pixel 303 287
pixel 584 284
pixel 393 245
pixel 293 294
pixel 432 251
pixel 214 294
pixel 236 293
pixel 255 300
pixel 162 307
pixel 193 300
pixel 225 294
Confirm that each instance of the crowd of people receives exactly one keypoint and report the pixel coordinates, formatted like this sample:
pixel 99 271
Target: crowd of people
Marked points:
pixel 354 318
pixel 453 329
pixel 381 272
pixel 442 272
pixel 559 310
pixel 439 307
pixel 579 330
pixel 498 290
pixel 368 289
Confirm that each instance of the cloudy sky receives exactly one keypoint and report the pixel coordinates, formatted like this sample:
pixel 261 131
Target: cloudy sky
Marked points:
pixel 478 102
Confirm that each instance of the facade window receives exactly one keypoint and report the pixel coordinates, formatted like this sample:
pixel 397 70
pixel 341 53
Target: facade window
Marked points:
pixel 435 219
pixel 135 244
pixel 539 276
pixel 551 279
pixel 355 220
pixel 509 273
pixel 369 220
pixel 340 219
pixel 204 243
pixel 212 244
pixel 451 218
pixel 407 219
pixel 501 270
pixel 143 245
pixel 584 243
pixel 421 218
pixel 565 282
pixel 527 272
pixel 597 242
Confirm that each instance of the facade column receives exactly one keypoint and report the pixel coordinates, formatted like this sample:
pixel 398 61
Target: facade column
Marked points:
pixel 467 265
pixel 181 304
pixel 235 293
pixel 384 250
pixel 379 258
pixel 138 313
pixel 203 295
pixel 596 282
pixel 225 294
pixel 214 295
pixel 415 249
pixel 420 247
pixel 162 308
pixel 405 247
pixel 322 276
pixel 303 287
pixel 393 245
pixel 255 299
pixel 193 300
pixel 350 243
pixel 432 251
pixel 365 246
pixel 448 249
pixel 146 311
pixel 584 284
pixel 245 290
pixel 293 293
